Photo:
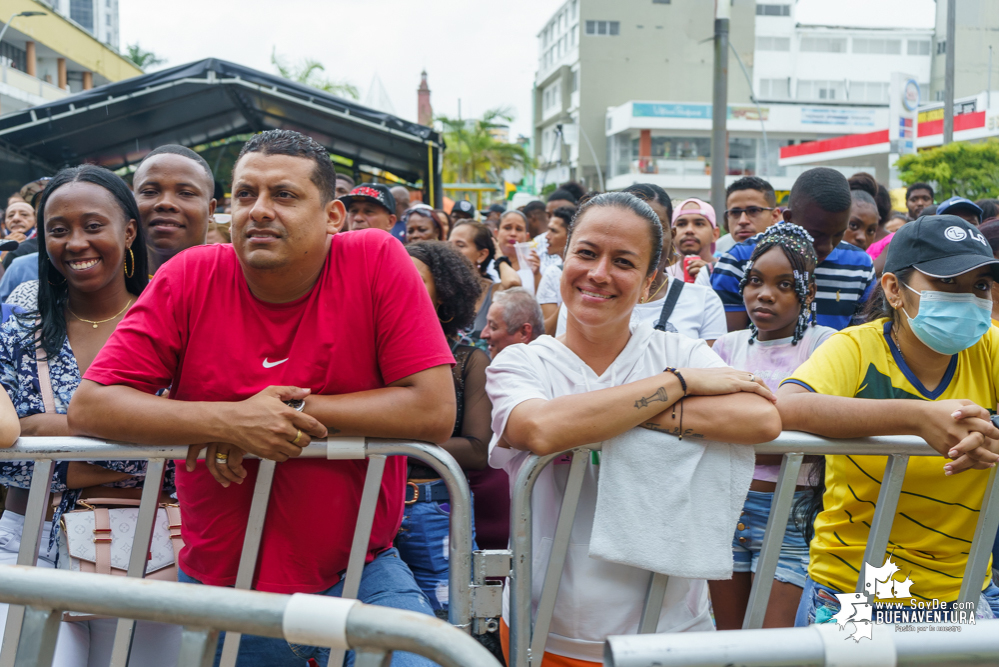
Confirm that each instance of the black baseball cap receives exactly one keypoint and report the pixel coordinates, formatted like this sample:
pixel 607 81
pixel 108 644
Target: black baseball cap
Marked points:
pixel 941 246
pixel 463 206
pixel 376 193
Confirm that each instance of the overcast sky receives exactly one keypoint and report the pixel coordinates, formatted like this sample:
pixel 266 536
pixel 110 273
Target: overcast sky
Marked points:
pixel 483 53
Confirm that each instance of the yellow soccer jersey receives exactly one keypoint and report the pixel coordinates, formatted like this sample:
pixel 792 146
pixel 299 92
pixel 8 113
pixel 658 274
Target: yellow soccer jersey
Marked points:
pixel 937 514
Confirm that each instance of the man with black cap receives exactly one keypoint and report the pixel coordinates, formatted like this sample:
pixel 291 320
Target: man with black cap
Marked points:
pixel 963 208
pixel 462 210
pixel 370 205
pixel 929 367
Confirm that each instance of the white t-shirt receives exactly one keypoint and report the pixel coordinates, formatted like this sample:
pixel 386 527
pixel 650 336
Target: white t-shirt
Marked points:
pixel 596 598
pixel 698 313
pixel 541 248
pixel 549 288
pixel 772 361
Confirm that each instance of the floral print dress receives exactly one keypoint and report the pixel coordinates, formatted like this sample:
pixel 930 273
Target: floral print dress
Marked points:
pixel 19 376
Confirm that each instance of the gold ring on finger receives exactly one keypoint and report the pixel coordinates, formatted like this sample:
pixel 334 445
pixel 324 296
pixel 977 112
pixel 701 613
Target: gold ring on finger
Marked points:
pixel 298 436
pixel 221 458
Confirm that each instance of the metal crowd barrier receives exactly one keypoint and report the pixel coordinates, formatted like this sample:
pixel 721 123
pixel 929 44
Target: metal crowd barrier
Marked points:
pixel 203 611
pixel 528 635
pixel 815 646
pixel 44 451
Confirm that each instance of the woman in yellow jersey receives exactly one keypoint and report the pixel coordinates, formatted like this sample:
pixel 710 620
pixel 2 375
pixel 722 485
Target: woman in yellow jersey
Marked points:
pixel 929 366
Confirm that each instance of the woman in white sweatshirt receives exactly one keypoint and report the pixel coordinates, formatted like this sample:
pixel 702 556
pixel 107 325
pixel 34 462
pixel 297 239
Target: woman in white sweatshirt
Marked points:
pixel 604 377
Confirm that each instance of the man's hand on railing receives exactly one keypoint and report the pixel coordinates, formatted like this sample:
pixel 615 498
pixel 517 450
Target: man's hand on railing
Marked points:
pixel 264 426
pixel 223 460
pixel 961 431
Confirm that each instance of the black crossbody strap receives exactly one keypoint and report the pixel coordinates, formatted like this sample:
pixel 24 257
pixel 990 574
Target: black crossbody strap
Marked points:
pixel 669 303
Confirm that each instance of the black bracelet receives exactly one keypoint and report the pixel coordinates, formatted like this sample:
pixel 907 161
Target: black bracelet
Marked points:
pixel 683 383
pixel 502 260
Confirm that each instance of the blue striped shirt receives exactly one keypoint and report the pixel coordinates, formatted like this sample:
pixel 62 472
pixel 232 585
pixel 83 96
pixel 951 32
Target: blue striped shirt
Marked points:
pixel 844 281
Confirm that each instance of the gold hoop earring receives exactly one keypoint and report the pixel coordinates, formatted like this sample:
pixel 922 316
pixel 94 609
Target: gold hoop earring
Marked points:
pixel 129 274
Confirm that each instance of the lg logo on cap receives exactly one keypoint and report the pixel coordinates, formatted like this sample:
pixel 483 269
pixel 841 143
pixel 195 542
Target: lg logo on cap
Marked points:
pixel 958 234
pixel 955 233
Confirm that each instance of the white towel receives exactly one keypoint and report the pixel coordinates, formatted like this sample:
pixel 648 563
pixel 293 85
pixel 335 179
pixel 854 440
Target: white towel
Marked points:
pixel 669 505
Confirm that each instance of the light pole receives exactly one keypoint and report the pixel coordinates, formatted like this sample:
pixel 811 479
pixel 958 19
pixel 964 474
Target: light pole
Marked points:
pixel 14 16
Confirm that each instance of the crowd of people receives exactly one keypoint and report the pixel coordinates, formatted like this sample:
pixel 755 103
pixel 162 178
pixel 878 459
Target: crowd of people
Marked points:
pixel 670 332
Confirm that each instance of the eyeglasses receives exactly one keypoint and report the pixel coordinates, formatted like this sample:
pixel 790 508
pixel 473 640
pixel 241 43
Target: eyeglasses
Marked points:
pixel 734 214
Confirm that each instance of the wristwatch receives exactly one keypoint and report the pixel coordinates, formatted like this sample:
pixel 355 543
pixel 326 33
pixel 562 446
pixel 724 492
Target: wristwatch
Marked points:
pixel 297 403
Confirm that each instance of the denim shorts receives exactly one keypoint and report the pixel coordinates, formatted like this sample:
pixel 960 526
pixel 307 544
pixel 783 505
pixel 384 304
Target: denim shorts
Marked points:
pixel 792 564
pixel 819 604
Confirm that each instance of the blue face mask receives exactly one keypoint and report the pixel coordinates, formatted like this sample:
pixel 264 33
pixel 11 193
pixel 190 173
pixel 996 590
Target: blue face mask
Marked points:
pixel 948 323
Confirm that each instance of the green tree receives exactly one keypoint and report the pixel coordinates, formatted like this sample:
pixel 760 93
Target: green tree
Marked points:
pixel 959 168
pixel 310 73
pixel 474 154
pixel 142 58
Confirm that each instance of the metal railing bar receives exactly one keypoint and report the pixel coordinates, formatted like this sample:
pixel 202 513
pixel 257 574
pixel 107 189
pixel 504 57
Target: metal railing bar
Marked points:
pixel 783 647
pixel 982 542
pixel 766 567
pixel 460 526
pixel 653 606
pixel 251 548
pixel 357 626
pixel 362 536
pixel 884 515
pixel 371 658
pixel 148 506
pixel 560 547
pixel 197 647
pixel 521 536
pixel 31 537
pixel 38 637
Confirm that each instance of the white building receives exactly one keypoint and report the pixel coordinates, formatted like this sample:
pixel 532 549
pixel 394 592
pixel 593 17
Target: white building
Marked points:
pixel 813 79
pixel 98 17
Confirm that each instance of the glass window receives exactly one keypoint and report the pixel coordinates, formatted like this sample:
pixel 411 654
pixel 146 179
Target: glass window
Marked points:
pixel 82 11
pixel 941 47
pixel 826 91
pixel 661 2
pixel 919 47
pixel 774 89
pixel 611 28
pixel 773 43
pixel 824 44
pixel 773 10
pixel 575 81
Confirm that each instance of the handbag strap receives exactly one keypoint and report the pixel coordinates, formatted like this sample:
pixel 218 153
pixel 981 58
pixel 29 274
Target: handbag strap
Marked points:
pixel 44 379
pixel 669 303
pixel 102 540
pixel 173 523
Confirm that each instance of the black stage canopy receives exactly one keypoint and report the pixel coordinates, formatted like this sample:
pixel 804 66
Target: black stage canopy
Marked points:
pixel 117 124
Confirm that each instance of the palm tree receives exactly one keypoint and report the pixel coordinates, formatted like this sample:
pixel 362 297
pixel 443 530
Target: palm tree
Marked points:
pixel 474 154
pixel 309 73
pixel 142 58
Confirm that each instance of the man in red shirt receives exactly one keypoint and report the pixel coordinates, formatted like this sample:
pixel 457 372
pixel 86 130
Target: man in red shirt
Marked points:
pixel 291 310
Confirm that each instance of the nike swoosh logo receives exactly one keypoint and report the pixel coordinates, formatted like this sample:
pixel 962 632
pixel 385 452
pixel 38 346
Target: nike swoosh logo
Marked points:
pixel 272 364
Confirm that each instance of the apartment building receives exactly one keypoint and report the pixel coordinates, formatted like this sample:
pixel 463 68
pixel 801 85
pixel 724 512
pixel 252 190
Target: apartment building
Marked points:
pixel 598 54
pixel 816 74
pixel 45 58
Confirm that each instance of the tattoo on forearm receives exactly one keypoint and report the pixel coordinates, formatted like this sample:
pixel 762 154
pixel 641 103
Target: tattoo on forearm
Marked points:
pixel 330 431
pixel 687 433
pixel 660 395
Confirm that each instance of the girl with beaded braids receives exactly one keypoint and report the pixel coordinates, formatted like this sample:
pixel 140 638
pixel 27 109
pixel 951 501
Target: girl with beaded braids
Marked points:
pixel 778 290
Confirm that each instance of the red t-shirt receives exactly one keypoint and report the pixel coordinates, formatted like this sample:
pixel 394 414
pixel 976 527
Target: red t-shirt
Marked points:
pixel 199 330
